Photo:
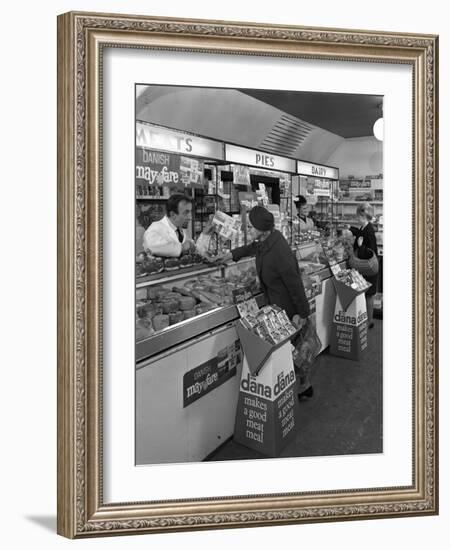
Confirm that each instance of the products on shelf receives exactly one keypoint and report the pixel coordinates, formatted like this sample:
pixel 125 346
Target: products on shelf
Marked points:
pixel 270 323
pixel 226 226
pixel 353 279
pixel 334 250
pixel 312 285
pixel 378 194
pixel 262 196
pixel 365 197
pixel 300 237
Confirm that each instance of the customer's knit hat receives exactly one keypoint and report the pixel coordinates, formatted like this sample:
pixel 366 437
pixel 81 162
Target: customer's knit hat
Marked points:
pixel 261 218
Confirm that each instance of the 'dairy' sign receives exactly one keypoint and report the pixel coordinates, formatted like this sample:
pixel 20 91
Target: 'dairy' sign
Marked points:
pixel 318 170
pixel 267 411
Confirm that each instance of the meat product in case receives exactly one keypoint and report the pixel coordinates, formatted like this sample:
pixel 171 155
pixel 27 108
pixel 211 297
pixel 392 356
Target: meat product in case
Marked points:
pixel 189 313
pixel 141 294
pixel 182 290
pixel 148 265
pixel 170 306
pixel 171 264
pixel 175 317
pixel 161 293
pixel 187 303
pixel 160 322
pixel 210 297
pixel 203 307
pixel 186 261
pixel 152 292
pixel 144 329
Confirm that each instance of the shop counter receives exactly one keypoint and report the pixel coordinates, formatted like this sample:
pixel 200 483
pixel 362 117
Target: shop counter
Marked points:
pixel 186 398
pixel 187 381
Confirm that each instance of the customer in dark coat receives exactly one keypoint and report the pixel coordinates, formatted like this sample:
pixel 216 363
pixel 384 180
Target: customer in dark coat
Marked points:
pixel 276 265
pixel 278 272
pixel 365 239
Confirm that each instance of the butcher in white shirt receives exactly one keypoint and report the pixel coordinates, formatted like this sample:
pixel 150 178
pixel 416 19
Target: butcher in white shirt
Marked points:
pixel 168 237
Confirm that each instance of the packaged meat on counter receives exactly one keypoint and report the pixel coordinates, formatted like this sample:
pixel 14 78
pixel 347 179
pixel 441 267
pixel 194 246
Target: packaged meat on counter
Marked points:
pixel 147 264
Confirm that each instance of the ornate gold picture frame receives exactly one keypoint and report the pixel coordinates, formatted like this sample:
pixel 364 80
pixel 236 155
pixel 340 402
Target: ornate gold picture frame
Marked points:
pixel 82 38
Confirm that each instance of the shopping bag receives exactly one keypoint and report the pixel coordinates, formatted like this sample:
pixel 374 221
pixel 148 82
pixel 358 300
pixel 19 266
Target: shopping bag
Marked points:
pixel 307 346
pixel 367 267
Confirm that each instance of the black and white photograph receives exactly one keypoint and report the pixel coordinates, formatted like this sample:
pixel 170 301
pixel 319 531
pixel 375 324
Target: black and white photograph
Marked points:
pixel 259 274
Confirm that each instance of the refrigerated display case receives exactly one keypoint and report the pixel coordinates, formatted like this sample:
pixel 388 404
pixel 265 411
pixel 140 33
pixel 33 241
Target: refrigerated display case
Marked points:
pixel 173 308
pixel 188 372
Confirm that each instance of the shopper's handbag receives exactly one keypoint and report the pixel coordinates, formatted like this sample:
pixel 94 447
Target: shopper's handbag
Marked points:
pixel 307 346
pixel 367 267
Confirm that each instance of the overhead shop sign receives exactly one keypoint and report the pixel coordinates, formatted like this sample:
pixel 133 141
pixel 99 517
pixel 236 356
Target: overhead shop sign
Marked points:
pixel 163 139
pixel 252 157
pixel 317 170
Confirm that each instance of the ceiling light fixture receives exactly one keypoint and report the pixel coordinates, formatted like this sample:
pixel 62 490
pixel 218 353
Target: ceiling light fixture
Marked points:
pixel 378 129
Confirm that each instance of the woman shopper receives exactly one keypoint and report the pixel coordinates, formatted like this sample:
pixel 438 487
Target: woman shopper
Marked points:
pixel 365 239
pixel 278 273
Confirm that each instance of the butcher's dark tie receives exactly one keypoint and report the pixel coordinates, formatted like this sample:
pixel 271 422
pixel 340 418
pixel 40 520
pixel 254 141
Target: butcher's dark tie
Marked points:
pixel 180 234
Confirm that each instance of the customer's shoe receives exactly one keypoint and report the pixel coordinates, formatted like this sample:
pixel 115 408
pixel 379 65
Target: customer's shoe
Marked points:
pixel 309 392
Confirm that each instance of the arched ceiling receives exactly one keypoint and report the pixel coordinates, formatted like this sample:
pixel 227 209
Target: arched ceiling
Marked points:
pixel 260 119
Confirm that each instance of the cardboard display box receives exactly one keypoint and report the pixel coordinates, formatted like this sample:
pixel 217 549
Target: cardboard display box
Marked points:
pixel 349 331
pixel 267 411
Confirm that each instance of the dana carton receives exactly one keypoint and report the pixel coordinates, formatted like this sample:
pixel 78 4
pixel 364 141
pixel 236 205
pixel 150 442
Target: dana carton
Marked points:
pixel 267 410
pixel 349 330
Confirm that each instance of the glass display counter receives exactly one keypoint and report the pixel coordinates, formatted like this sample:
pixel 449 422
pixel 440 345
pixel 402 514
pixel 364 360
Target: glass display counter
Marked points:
pixel 175 307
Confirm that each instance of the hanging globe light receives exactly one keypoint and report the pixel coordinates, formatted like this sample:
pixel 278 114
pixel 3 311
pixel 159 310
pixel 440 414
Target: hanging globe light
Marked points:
pixel 378 129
